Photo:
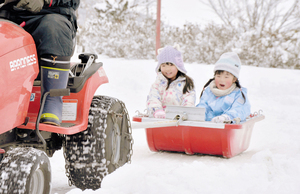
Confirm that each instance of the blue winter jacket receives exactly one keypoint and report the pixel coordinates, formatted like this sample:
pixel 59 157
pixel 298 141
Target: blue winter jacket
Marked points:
pixel 232 104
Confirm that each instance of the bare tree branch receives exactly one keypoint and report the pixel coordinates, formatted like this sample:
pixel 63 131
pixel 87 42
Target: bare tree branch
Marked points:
pixel 288 14
pixel 270 15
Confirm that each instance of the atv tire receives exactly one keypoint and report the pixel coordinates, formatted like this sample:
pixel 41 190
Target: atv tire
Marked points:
pixel 104 146
pixel 25 171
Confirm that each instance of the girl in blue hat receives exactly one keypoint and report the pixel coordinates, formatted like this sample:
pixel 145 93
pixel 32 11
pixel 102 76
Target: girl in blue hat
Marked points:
pixel 223 97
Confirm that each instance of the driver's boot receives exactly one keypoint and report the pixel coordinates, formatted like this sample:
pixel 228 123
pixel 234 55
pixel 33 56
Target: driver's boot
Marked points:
pixel 54 75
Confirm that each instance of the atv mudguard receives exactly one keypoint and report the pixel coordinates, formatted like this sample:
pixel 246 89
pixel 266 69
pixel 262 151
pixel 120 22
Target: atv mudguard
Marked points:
pixel 18 69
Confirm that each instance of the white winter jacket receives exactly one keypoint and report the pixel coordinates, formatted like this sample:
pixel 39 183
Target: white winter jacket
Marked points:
pixel 159 97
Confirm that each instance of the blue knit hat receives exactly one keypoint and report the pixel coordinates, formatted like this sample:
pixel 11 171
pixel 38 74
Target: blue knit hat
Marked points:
pixel 229 62
pixel 172 55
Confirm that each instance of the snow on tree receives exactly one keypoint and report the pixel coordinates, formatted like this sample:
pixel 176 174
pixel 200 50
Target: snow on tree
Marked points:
pixel 264 33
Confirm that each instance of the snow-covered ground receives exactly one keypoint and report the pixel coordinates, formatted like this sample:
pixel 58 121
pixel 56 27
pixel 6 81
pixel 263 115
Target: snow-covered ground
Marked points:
pixel 271 164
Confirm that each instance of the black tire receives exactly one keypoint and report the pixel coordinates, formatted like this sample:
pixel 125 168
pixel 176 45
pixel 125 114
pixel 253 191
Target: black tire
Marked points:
pixel 25 171
pixel 104 146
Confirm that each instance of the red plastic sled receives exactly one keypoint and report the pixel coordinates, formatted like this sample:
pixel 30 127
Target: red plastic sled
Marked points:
pixel 193 137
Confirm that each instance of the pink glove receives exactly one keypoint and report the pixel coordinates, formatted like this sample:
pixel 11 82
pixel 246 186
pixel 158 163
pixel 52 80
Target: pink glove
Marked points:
pixel 220 119
pixel 159 114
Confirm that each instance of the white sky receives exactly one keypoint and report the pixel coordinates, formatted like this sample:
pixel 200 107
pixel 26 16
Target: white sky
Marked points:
pixel 190 11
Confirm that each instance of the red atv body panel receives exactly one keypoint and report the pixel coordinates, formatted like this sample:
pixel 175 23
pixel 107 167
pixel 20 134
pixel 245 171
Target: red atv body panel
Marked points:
pixel 18 69
pixel 80 102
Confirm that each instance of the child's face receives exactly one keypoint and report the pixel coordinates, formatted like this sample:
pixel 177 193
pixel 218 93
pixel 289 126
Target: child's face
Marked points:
pixel 169 70
pixel 224 80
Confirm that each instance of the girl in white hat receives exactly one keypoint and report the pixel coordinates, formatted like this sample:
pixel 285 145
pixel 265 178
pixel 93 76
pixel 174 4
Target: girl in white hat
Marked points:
pixel 224 99
pixel 172 86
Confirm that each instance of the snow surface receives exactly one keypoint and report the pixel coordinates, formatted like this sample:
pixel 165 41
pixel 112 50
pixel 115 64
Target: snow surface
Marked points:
pixel 271 164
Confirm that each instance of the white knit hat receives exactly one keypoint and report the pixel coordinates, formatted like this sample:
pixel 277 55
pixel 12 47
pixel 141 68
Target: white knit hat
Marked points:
pixel 172 55
pixel 229 62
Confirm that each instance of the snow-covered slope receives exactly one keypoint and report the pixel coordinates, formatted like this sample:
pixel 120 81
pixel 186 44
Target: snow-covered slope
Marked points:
pixel 270 165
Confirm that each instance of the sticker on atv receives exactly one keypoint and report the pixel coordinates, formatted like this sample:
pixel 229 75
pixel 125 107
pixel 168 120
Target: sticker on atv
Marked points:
pixel 69 111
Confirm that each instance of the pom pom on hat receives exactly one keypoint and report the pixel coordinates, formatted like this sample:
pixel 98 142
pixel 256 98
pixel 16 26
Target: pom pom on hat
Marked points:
pixel 172 55
pixel 229 62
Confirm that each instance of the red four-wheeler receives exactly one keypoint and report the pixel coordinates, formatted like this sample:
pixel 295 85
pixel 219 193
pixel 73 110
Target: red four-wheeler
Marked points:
pixel 95 133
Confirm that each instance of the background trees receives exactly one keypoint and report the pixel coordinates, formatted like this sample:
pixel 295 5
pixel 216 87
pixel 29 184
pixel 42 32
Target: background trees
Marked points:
pixel 267 29
pixel 263 32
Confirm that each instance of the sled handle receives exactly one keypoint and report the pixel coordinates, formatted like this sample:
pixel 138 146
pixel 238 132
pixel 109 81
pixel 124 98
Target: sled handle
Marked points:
pixel 169 123
pixel 165 123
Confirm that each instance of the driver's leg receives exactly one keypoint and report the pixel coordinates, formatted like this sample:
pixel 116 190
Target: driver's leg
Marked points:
pixel 53 35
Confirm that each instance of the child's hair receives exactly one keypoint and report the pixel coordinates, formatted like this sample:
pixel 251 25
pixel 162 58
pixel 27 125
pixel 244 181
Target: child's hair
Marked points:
pixel 219 72
pixel 189 84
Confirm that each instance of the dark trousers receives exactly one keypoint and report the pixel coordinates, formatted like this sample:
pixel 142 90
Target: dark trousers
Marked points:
pixel 53 34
